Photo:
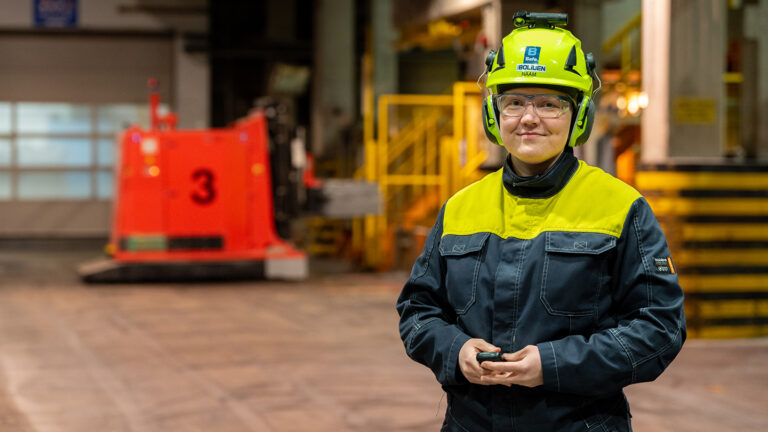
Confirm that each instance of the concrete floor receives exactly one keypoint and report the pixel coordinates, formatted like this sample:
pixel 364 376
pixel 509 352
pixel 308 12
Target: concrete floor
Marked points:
pixel 322 355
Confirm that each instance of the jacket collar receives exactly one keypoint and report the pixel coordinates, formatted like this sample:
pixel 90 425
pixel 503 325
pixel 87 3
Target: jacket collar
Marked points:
pixel 542 185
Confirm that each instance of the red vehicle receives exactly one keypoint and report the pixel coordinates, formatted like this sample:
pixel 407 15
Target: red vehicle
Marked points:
pixel 195 203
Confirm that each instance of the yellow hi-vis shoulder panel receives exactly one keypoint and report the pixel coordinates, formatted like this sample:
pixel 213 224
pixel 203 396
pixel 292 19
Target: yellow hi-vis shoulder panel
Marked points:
pixel 592 201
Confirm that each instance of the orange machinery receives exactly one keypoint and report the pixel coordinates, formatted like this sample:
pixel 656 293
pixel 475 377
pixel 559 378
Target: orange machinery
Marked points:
pixel 195 204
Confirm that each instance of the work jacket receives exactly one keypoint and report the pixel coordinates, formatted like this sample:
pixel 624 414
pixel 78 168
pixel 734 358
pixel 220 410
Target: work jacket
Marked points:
pixel 572 261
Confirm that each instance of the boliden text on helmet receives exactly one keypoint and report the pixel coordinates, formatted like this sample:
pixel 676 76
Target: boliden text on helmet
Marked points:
pixel 531 67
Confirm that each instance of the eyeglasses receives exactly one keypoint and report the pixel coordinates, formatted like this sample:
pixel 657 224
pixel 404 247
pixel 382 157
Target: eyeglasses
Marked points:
pixel 545 106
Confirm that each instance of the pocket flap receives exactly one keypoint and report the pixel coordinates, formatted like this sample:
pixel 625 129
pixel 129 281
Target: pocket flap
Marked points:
pixel 451 245
pixel 579 242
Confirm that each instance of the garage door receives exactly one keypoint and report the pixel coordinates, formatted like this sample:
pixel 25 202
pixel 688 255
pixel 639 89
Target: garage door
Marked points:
pixel 63 100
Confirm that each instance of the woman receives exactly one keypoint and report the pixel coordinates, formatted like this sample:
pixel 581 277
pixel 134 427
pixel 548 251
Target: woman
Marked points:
pixel 556 264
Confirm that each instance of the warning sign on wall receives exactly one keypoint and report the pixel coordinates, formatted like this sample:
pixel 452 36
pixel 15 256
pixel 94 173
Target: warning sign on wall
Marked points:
pixel 55 13
pixel 691 110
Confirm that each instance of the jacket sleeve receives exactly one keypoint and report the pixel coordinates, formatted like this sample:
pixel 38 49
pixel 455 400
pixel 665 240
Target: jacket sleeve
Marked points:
pixel 427 322
pixel 647 309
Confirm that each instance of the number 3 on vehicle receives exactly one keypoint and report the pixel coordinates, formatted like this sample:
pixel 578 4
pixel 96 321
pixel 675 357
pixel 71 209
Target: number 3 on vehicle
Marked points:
pixel 205 193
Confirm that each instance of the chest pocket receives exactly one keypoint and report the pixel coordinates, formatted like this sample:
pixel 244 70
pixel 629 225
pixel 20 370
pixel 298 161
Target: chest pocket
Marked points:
pixel 574 266
pixel 463 256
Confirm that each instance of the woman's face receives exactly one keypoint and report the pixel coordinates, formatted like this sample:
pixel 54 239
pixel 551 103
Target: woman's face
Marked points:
pixel 534 142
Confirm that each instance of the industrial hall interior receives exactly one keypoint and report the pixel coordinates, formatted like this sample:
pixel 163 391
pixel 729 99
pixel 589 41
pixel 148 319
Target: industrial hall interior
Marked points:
pixel 212 212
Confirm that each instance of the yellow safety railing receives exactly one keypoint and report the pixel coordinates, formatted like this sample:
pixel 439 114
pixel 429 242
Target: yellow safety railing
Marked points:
pixel 425 147
pixel 624 37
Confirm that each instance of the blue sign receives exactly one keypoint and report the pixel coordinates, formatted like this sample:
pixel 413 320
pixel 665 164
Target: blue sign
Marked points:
pixel 532 55
pixel 55 13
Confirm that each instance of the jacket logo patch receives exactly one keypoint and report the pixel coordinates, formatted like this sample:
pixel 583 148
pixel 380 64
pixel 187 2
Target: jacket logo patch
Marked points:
pixel 458 248
pixel 664 265
pixel 580 245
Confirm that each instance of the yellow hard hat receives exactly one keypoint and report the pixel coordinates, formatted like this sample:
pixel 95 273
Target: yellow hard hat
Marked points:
pixel 540 54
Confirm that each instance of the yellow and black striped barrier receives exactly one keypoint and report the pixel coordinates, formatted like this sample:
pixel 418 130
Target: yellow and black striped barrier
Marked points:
pixel 716 221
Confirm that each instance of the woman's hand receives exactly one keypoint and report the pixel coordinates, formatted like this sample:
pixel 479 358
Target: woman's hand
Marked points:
pixel 520 368
pixel 468 360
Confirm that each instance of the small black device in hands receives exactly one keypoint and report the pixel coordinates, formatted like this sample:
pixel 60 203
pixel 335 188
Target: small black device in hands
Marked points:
pixel 490 356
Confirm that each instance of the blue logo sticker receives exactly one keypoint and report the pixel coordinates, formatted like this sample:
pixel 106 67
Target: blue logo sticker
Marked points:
pixel 532 55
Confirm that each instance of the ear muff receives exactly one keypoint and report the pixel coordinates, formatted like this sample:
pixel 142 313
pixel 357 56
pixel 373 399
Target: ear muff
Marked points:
pixel 586 112
pixel 490 121
pixel 582 127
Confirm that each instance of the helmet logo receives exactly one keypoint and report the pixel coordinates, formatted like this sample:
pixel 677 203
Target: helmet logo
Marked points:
pixel 531 61
pixel 532 55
